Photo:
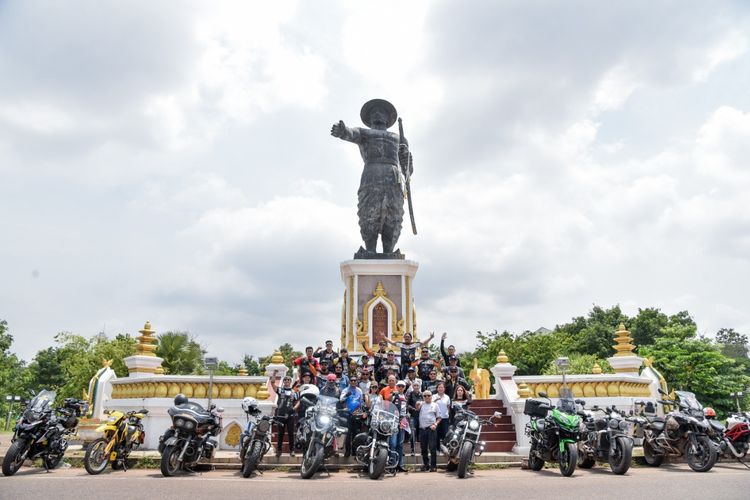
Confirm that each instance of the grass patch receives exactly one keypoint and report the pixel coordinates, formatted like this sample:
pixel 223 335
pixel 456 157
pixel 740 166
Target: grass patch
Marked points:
pixel 490 466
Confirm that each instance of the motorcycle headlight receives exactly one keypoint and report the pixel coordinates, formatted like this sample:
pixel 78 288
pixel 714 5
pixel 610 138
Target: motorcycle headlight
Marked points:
pixel 623 425
pixel 179 422
pixel 473 425
pixel 189 424
pixel 612 424
pixel 324 420
pixel 385 427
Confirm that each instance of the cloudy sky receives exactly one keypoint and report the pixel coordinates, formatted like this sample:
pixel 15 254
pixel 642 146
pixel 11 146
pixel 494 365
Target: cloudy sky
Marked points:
pixel 172 162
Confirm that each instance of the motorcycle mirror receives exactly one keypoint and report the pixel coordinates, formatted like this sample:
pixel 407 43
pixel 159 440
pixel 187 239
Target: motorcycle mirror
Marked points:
pixel 106 412
pixel 497 414
pixel 661 391
pixel 542 394
pixel 219 410
pixel 580 402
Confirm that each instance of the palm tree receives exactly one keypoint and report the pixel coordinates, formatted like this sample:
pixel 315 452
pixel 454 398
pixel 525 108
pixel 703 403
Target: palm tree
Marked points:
pixel 182 355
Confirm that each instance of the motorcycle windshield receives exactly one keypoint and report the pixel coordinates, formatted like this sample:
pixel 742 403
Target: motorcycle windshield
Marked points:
pixel 41 403
pixel 326 404
pixel 384 416
pixel 566 402
pixel 689 399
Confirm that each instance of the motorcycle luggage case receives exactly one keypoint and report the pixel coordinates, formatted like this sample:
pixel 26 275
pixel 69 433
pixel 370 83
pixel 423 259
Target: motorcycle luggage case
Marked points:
pixel 535 408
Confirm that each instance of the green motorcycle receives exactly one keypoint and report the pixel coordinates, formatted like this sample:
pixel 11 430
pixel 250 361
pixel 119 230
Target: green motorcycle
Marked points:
pixel 554 435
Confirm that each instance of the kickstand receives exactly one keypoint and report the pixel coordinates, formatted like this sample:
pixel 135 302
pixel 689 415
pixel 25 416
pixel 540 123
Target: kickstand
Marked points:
pixel 324 468
pixel 743 463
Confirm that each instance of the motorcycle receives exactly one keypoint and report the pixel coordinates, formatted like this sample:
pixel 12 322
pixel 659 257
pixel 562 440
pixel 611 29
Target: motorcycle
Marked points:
pixel 255 440
pixel 320 429
pixel 554 436
pixel 123 432
pixel 41 432
pixel 191 437
pixel 682 431
pixel 731 440
pixel 461 442
pixel 606 439
pixel 371 448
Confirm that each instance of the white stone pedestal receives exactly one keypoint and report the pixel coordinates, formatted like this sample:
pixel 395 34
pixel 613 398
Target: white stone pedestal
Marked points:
pixel 377 289
pixel 142 366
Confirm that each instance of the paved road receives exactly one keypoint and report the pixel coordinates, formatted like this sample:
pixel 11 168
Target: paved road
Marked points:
pixel 671 481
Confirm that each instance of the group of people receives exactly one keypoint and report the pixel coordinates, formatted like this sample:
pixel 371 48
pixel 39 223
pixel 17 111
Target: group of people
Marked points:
pixel 426 391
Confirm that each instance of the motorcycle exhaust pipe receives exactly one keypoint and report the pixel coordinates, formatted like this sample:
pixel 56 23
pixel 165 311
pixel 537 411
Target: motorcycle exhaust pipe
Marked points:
pixel 445 449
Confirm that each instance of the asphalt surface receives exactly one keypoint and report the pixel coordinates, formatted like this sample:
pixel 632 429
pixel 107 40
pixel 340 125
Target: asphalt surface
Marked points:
pixel 669 481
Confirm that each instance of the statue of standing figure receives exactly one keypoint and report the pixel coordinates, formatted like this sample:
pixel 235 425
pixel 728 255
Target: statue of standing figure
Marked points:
pixel 383 184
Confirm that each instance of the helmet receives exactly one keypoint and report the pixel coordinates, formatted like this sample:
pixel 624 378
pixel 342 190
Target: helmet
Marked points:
pixel 709 412
pixel 249 404
pixel 310 391
pixel 331 377
pixel 180 399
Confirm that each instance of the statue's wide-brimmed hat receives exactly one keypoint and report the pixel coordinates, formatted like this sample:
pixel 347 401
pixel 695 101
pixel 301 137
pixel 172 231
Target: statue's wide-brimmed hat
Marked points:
pixel 378 103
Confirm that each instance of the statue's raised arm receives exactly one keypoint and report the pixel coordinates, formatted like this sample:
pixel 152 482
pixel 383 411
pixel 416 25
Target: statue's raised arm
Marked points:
pixel 341 131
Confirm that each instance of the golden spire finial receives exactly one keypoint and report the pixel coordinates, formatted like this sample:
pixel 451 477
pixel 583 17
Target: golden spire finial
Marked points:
pixel 243 371
pixel 277 358
pixel 624 341
pixel 146 341
pixel 379 290
pixel 502 357
pixel 596 370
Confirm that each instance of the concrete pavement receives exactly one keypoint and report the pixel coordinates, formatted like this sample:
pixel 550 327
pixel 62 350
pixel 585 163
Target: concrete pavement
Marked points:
pixel 666 482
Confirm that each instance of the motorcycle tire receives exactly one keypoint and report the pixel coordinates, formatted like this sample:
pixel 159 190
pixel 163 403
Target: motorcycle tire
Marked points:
pixel 619 462
pixel 586 462
pixel 169 463
pixel 535 463
pixel 377 464
pixel 707 458
pixel 12 461
pixel 464 459
pixel 52 461
pixel 650 456
pixel 89 459
pixel 569 459
pixel 252 458
pixel 311 460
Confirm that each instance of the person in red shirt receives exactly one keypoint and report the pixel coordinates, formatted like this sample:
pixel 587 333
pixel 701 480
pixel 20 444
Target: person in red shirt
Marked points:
pixel 307 363
pixel 388 390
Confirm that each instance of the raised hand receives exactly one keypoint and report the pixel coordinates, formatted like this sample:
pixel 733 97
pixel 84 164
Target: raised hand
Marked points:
pixel 339 129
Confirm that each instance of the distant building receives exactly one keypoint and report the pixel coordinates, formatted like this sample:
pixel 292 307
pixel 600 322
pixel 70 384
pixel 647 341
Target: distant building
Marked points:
pixel 542 330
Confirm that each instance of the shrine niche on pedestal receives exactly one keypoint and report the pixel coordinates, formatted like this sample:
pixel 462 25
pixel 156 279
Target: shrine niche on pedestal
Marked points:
pixel 378 302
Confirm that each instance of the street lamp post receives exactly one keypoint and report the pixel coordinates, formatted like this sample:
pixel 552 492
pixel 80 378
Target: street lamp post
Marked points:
pixel 737 395
pixel 562 365
pixel 10 400
pixel 210 364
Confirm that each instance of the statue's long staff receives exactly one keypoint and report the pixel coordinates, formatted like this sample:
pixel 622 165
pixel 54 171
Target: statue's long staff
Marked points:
pixel 406 169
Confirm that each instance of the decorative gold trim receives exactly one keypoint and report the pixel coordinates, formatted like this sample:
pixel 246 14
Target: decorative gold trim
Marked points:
pixel 352 317
pixel 407 313
pixel 380 294
pixel 146 341
pixel 343 321
pixel 142 390
pixel 232 435
pixel 592 389
pixel 502 357
pixel 624 345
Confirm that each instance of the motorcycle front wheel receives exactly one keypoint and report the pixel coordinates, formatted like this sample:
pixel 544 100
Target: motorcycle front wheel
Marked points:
pixel 96 458
pixel 702 457
pixel 311 460
pixel 569 459
pixel 535 463
pixel 14 458
pixel 619 459
pixel 169 461
pixel 378 463
pixel 464 459
pixel 252 457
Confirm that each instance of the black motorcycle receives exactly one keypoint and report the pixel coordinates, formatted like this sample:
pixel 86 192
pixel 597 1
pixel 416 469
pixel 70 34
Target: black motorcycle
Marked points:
pixel 255 441
pixel 554 436
pixel 318 433
pixel 42 430
pixel 371 448
pixel 462 443
pixel 607 439
pixel 191 437
pixel 682 431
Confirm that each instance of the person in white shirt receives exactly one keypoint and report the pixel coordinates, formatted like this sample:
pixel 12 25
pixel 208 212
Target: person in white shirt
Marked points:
pixel 444 404
pixel 429 419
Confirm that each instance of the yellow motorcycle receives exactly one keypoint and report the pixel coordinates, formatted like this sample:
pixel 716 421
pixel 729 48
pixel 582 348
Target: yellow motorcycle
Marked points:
pixel 123 432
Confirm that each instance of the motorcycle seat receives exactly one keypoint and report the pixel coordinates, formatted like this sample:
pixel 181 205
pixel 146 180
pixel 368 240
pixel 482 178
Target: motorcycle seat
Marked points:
pixel 716 425
pixel 657 423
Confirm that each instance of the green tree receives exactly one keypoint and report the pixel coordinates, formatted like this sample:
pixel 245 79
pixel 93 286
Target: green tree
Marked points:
pixel 181 353
pixel 647 326
pixel 12 370
pixel 251 365
pixel 594 333
pixel 225 369
pixel 581 364
pixel 733 344
pixel 286 350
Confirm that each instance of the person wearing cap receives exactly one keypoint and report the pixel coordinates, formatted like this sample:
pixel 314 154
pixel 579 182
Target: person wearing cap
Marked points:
pixel 431 382
pixel 343 359
pixel 454 380
pixel 286 399
pixel 353 399
pixel 327 354
pixel 429 419
pixel 381 193
pixel 372 394
pixel 453 363
pixel 341 377
pixel 411 375
pixel 365 380
pixel 425 364
pixel 331 387
pixel 322 375
pixel 450 352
